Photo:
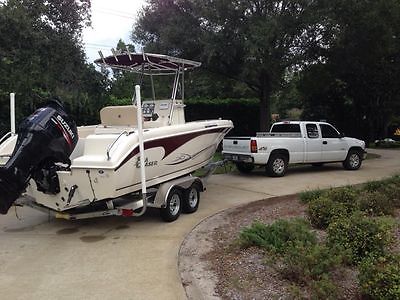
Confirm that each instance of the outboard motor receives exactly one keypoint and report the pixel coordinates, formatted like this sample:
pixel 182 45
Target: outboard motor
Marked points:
pixel 45 141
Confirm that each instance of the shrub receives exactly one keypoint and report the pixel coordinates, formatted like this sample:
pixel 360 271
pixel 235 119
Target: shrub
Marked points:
pixel 308 196
pixel 310 265
pixel 346 196
pixel 376 203
pixel 389 187
pixel 324 289
pixel 361 236
pixel 380 278
pixel 244 113
pixel 323 210
pixel 373 186
pixel 277 236
pixel 392 192
pixel 304 262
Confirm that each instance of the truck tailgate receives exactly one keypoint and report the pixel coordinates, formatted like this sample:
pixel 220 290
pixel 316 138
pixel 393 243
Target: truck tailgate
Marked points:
pixel 236 145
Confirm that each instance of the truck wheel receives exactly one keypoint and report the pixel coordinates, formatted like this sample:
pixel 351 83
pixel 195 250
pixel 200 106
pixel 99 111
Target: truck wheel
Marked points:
pixel 353 160
pixel 277 165
pixel 191 198
pixel 244 168
pixel 172 210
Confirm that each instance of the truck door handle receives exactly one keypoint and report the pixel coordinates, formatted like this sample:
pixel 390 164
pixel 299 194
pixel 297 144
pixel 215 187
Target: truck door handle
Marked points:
pixel 325 142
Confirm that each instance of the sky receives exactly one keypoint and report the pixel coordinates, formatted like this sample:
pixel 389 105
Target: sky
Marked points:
pixel 111 21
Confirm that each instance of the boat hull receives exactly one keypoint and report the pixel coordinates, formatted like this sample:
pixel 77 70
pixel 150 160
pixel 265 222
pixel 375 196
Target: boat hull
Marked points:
pixel 106 164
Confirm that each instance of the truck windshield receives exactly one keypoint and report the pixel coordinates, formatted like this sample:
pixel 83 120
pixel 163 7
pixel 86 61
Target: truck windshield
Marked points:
pixel 286 128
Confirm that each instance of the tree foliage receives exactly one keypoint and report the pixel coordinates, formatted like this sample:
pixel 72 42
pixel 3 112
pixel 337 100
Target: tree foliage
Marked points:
pixel 42 57
pixel 253 42
pixel 356 84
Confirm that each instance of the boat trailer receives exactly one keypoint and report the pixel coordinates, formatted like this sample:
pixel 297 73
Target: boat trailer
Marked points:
pixel 170 197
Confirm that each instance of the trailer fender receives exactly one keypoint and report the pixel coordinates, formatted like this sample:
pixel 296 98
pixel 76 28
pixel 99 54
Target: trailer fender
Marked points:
pixel 166 187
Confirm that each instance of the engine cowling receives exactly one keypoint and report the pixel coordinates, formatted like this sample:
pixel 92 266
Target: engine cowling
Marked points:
pixel 45 138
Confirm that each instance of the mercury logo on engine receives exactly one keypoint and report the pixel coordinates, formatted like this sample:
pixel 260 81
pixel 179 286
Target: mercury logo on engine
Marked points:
pixel 66 126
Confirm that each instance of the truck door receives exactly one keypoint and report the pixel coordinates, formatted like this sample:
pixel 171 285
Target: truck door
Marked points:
pixel 313 143
pixel 333 146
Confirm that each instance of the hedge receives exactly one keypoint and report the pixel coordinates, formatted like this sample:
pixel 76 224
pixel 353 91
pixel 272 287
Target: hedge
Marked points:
pixel 244 113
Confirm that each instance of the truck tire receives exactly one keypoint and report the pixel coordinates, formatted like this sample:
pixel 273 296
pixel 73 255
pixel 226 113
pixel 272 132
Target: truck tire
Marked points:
pixel 277 165
pixel 244 168
pixel 191 198
pixel 173 206
pixel 353 160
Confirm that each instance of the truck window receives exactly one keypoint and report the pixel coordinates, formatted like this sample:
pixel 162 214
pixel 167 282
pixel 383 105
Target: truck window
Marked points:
pixel 328 131
pixel 286 128
pixel 312 131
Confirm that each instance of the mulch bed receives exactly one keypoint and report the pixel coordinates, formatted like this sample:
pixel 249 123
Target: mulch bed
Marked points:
pixel 246 273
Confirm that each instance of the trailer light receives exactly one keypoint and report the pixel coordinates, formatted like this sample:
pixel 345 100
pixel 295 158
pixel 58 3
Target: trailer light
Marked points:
pixel 127 212
pixel 253 146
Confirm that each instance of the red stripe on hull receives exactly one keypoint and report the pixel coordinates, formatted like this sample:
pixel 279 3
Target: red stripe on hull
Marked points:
pixel 170 144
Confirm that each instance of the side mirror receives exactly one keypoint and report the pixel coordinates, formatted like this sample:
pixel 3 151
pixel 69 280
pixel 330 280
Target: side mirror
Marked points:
pixel 341 135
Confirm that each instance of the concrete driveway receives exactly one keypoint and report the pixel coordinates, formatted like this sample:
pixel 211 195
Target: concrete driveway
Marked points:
pixel 129 258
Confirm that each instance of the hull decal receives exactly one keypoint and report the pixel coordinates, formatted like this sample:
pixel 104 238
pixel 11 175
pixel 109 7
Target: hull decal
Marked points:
pixel 189 157
pixel 170 144
pixel 131 185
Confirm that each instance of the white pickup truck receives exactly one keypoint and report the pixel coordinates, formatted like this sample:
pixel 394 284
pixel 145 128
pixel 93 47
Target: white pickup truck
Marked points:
pixel 294 142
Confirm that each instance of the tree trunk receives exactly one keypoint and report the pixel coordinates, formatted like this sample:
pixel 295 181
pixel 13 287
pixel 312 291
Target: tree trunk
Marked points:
pixel 265 106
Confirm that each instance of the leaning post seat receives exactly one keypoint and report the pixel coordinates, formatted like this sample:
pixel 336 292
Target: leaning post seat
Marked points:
pixel 125 115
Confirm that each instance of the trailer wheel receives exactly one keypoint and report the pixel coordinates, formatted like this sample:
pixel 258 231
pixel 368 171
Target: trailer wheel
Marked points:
pixel 192 198
pixel 277 165
pixel 353 160
pixel 244 168
pixel 173 207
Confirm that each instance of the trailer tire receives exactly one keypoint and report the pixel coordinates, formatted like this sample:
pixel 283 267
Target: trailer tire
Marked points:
pixel 191 198
pixel 173 206
pixel 277 165
pixel 353 160
pixel 244 168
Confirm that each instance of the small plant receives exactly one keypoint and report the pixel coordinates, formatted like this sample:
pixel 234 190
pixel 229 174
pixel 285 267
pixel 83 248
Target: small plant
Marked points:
pixel 389 187
pixel 311 265
pixel 278 236
pixel 324 289
pixel 323 210
pixel 362 236
pixel 380 278
pixel 304 262
pixel 376 204
pixel 346 196
pixel 308 196
pixel 392 192
pixel 373 186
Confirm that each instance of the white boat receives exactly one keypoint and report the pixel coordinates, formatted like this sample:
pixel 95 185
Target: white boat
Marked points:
pixel 105 162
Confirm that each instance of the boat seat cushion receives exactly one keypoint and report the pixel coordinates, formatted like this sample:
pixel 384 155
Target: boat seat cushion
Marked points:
pixel 119 115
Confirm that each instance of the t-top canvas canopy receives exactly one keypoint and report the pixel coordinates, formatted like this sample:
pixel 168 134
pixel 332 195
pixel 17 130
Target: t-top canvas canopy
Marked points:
pixel 147 63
